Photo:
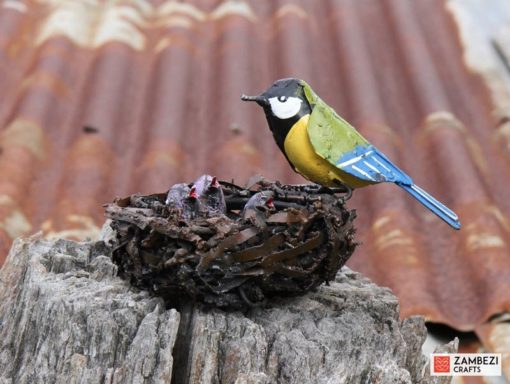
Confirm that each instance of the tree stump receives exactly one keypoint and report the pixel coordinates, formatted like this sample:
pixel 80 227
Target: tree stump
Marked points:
pixel 66 317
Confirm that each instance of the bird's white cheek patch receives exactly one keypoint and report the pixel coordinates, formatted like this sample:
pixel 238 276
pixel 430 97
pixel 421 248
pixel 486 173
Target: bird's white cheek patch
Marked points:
pixel 285 109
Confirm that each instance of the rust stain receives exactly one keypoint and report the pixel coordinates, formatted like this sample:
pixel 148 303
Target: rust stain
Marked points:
pixel 165 154
pixel 14 222
pixel 375 130
pixel 237 158
pixel 87 168
pixel 392 238
pixel 178 41
pixel 291 9
pixel 79 228
pixel 165 162
pixel 22 145
pixel 46 80
pixel 23 133
pixel 91 26
pixel 233 8
pixel 444 120
pixel 185 12
pixel 482 241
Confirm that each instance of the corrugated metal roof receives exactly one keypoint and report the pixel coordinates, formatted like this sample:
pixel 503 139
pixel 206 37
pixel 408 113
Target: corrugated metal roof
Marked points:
pixel 158 85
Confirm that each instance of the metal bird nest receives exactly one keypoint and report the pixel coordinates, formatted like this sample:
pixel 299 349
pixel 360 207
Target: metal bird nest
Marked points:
pixel 239 258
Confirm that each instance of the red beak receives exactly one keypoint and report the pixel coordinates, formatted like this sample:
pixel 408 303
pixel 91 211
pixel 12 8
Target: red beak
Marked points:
pixel 270 203
pixel 215 183
pixel 193 193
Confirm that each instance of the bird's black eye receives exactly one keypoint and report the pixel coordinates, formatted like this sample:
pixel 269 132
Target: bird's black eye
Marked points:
pixel 282 99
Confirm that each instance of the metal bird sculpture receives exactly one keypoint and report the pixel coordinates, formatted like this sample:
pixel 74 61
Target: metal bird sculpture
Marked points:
pixel 257 208
pixel 176 195
pixel 210 194
pixel 326 149
pixel 185 199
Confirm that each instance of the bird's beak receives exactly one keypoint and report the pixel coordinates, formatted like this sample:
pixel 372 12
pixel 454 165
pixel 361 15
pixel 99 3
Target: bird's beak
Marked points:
pixel 260 100
pixel 193 193
pixel 215 183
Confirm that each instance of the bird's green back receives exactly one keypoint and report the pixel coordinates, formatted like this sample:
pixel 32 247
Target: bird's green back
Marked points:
pixel 330 135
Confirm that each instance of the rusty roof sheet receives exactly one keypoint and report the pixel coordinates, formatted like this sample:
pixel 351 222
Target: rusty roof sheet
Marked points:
pixel 157 86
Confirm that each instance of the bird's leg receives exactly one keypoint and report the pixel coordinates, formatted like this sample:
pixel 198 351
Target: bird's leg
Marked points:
pixel 348 195
pixel 343 189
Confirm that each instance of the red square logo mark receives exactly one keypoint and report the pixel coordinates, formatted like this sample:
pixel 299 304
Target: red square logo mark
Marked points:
pixel 441 364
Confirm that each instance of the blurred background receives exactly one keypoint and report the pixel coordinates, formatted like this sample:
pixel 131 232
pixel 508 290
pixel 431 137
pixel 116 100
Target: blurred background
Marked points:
pixel 100 99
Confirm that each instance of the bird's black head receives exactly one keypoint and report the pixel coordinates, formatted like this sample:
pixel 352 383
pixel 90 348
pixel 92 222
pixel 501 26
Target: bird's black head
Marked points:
pixel 284 104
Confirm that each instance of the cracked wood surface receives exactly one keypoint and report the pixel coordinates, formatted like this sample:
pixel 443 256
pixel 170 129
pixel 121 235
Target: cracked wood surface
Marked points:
pixel 66 317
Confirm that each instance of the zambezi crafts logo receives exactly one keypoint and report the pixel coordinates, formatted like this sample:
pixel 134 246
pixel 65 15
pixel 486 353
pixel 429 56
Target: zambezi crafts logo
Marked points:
pixel 441 364
pixel 465 364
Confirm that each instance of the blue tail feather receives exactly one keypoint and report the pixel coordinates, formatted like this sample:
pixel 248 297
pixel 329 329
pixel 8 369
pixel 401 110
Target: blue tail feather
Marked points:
pixel 435 206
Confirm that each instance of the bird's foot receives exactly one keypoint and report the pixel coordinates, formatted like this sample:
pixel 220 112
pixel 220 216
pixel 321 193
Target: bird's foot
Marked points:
pixel 347 195
pixel 342 188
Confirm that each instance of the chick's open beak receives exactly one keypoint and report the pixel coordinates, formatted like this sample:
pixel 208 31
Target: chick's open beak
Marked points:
pixel 215 183
pixel 193 193
pixel 260 100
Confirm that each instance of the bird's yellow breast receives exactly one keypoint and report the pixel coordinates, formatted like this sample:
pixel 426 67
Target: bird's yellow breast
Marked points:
pixel 309 164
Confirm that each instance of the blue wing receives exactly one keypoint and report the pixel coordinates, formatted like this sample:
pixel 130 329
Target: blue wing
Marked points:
pixel 369 164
